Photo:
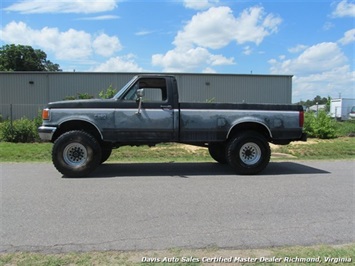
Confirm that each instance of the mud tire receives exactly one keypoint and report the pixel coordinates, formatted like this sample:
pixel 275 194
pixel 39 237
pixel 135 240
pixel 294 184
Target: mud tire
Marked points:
pixel 76 154
pixel 248 153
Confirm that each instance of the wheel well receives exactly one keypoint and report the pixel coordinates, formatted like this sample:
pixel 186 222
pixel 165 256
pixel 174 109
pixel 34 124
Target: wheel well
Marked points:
pixel 77 125
pixel 260 128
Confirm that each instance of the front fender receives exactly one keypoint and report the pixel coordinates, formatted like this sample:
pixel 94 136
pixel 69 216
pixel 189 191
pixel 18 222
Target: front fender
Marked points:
pixel 79 123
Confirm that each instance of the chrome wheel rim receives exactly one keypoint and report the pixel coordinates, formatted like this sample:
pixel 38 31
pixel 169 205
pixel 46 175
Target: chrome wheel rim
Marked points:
pixel 250 153
pixel 75 154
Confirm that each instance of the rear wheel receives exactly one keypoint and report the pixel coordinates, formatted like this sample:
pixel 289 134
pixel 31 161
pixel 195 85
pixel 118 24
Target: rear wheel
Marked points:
pixel 248 153
pixel 218 152
pixel 76 153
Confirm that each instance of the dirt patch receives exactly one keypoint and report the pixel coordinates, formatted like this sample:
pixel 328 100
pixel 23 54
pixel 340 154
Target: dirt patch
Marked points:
pixel 186 147
pixel 279 155
pixel 191 148
pixel 308 142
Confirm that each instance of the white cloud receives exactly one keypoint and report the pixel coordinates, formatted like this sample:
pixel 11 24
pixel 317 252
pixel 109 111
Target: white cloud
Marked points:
pixel 144 33
pixel 70 44
pixel 247 50
pixel 349 37
pixel 214 29
pixel 327 83
pixel 315 59
pixel 344 9
pixel 105 17
pixel 321 69
pixel 209 70
pixel 328 25
pixel 200 4
pixel 217 27
pixel 105 45
pixel 188 60
pixel 119 64
pixel 62 6
pixel 298 48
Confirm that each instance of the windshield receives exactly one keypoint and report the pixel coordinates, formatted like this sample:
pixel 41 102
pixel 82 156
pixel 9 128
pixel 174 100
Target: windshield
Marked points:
pixel 121 91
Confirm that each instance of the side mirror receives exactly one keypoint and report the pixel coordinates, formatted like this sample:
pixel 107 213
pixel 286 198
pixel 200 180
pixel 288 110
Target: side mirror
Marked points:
pixel 140 95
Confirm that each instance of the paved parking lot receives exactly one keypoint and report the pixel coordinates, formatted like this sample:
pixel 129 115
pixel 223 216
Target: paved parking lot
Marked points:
pixel 191 205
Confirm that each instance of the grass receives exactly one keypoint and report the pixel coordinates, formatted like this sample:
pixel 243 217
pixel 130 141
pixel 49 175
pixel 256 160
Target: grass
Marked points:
pixel 345 128
pixel 187 257
pixel 41 152
pixel 25 152
pixel 313 149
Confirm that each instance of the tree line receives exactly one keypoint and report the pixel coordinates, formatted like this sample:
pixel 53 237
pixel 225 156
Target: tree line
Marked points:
pixel 25 58
pixel 317 100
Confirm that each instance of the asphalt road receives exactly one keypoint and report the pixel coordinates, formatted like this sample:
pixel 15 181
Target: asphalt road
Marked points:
pixel 187 205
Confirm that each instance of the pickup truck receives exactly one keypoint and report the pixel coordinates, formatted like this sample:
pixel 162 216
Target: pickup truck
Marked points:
pixel 147 111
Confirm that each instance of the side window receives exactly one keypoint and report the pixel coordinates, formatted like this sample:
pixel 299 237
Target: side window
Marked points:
pixel 131 94
pixel 154 90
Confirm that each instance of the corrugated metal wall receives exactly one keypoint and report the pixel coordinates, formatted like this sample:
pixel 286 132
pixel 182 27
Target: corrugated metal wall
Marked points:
pixel 29 91
pixel 22 95
pixel 235 88
pixel 70 84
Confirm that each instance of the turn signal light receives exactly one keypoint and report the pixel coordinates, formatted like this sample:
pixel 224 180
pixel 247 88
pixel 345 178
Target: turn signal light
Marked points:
pixel 45 114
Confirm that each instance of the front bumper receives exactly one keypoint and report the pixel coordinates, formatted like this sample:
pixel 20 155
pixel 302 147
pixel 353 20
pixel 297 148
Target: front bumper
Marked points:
pixel 46 133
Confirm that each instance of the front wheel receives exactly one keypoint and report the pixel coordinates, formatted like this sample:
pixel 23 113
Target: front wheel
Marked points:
pixel 76 153
pixel 248 153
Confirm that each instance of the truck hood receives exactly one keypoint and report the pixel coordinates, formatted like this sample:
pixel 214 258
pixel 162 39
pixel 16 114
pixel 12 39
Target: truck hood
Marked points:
pixel 91 103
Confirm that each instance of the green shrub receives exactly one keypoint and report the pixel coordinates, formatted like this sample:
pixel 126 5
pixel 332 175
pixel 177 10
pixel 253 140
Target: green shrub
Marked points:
pixel 320 126
pixel 108 94
pixel 21 130
pixel 79 96
pixel 38 120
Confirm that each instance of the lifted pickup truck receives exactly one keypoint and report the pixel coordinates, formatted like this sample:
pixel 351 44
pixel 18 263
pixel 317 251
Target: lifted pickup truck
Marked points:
pixel 147 111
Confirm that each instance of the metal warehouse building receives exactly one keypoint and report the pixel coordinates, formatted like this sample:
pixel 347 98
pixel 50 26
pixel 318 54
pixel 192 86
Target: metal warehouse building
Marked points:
pixel 24 93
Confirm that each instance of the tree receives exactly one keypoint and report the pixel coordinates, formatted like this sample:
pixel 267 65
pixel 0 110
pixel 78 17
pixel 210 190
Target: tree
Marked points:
pixel 24 58
pixel 318 99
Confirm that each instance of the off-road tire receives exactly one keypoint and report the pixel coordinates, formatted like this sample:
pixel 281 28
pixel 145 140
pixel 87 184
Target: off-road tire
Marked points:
pixel 218 152
pixel 76 153
pixel 248 153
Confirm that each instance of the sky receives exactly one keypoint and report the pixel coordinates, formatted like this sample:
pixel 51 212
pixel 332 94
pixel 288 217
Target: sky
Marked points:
pixel 313 40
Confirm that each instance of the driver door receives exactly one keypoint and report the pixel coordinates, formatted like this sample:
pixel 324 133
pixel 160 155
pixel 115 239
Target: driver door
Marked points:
pixel 153 121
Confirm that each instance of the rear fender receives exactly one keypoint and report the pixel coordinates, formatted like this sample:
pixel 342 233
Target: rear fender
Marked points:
pixel 250 123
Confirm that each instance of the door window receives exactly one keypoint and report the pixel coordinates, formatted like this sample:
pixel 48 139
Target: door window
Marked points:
pixel 154 90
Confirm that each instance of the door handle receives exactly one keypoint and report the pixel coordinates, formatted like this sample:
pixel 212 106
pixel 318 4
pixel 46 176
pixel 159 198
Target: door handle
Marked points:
pixel 166 106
